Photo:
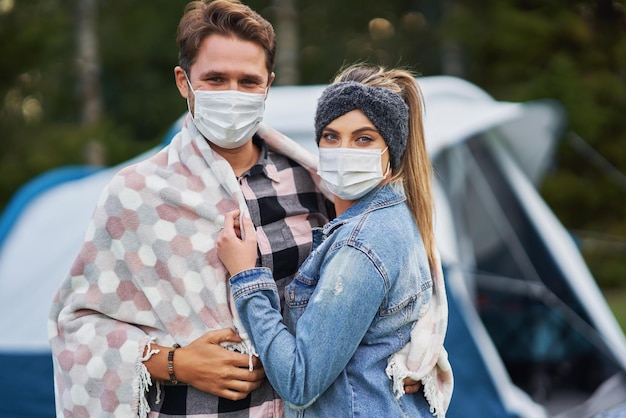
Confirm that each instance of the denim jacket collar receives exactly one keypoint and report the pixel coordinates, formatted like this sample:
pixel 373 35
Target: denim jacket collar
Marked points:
pixel 382 196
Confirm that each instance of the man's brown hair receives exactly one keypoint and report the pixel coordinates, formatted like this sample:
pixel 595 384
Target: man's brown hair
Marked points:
pixel 222 17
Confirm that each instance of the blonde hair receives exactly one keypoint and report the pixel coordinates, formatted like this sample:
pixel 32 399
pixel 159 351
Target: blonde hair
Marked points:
pixel 415 169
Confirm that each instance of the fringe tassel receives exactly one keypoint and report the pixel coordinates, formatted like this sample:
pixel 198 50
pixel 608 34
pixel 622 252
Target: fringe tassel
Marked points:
pixel 397 374
pixel 243 347
pixel 159 386
pixel 433 396
pixel 143 380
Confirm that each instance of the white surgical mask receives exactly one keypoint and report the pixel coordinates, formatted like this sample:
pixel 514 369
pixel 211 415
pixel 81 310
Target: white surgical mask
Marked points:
pixel 350 173
pixel 227 118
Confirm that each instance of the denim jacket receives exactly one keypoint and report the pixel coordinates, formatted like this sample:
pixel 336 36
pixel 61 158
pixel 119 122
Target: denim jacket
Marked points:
pixel 350 306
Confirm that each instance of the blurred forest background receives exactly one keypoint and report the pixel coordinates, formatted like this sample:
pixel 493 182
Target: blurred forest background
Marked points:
pixel 91 82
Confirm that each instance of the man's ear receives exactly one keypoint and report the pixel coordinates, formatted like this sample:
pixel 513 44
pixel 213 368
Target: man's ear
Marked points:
pixel 181 81
pixel 269 83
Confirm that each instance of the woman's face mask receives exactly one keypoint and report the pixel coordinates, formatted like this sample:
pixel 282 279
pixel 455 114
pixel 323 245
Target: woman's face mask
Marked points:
pixel 350 173
pixel 227 118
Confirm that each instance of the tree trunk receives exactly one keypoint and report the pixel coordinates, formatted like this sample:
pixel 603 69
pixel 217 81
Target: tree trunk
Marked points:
pixel 451 51
pixel 286 27
pixel 88 62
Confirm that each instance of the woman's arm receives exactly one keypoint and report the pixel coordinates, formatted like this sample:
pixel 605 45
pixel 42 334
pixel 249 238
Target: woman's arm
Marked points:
pixel 340 311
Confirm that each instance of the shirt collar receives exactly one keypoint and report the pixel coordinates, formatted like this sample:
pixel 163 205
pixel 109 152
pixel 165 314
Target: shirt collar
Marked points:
pixel 264 165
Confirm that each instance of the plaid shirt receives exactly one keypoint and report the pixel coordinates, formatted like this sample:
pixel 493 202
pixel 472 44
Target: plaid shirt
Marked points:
pixel 285 205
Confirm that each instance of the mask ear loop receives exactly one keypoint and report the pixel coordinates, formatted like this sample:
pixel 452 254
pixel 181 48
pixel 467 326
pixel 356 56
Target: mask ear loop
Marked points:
pixel 192 90
pixel 388 162
pixel 188 82
pixel 388 169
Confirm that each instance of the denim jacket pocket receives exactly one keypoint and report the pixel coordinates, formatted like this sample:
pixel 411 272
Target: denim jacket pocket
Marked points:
pixel 297 296
pixel 410 307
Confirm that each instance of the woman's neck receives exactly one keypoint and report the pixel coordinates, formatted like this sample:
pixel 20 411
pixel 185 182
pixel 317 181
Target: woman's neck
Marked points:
pixel 342 205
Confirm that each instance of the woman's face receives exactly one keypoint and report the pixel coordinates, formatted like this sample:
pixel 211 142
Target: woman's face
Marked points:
pixel 354 130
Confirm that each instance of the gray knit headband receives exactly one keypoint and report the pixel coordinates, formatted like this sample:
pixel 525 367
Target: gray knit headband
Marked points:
pixel 386 110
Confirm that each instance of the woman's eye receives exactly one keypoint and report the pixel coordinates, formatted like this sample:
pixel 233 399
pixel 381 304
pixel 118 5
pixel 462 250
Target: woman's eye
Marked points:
pixel 328 136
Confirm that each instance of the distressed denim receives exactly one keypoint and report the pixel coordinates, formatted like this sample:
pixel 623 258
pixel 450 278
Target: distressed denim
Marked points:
pixel 350 306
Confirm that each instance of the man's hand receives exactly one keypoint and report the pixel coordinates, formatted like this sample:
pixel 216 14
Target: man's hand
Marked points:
pixel 209 367
pixel 411 386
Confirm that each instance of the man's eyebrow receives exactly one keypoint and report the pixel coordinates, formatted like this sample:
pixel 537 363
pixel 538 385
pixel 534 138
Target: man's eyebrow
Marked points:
pixel 210 74
pixel 218 74
pixel 254 77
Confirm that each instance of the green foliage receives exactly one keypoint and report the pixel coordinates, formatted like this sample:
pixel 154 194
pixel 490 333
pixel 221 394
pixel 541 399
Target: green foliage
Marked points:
pixel 334 34
pixel 139 53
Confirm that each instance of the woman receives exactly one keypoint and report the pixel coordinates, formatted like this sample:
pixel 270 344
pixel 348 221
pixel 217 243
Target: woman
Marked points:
pixel 367 286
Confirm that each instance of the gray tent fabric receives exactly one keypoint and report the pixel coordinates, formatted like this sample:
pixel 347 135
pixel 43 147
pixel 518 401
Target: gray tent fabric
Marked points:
pixel 529 335
pixel 609 400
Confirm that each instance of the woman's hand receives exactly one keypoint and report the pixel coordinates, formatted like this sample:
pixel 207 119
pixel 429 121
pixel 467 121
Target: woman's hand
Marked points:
pixel 237 254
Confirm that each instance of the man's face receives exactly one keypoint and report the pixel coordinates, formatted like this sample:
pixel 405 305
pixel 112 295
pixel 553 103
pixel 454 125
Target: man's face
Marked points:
pixel 226 63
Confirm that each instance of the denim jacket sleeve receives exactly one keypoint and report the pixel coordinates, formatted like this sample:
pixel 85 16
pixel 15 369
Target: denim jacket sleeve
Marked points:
pixel 338 315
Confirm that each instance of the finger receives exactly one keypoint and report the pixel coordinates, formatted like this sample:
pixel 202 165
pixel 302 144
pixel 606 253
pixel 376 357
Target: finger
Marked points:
pixel 223 335
pixel 229 222
pixel 237 228
pixel 232 395
pixel 256 363
pixel 243 361
pixel 245 375
pixel 411 389
pixel 247 225
pixel 411 386
pixel 236 395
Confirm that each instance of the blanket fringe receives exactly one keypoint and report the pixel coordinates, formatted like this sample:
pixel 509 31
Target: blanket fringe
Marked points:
pixel 397 373
pixel 243 347
pixel 433 396
pixel 143 380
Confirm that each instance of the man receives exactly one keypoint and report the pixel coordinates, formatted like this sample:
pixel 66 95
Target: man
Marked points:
pixel 147 279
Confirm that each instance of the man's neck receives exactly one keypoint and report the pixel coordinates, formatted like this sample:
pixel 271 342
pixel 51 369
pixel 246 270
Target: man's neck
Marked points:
pixel 240 159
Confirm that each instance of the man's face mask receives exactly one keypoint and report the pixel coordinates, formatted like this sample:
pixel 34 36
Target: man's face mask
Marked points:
pixel 227 118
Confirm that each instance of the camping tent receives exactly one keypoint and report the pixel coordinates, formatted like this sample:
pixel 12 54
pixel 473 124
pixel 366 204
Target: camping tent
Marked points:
pixel 530 334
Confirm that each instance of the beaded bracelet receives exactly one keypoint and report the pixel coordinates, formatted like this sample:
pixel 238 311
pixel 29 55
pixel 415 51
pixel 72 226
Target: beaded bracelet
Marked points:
pixel 170 364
